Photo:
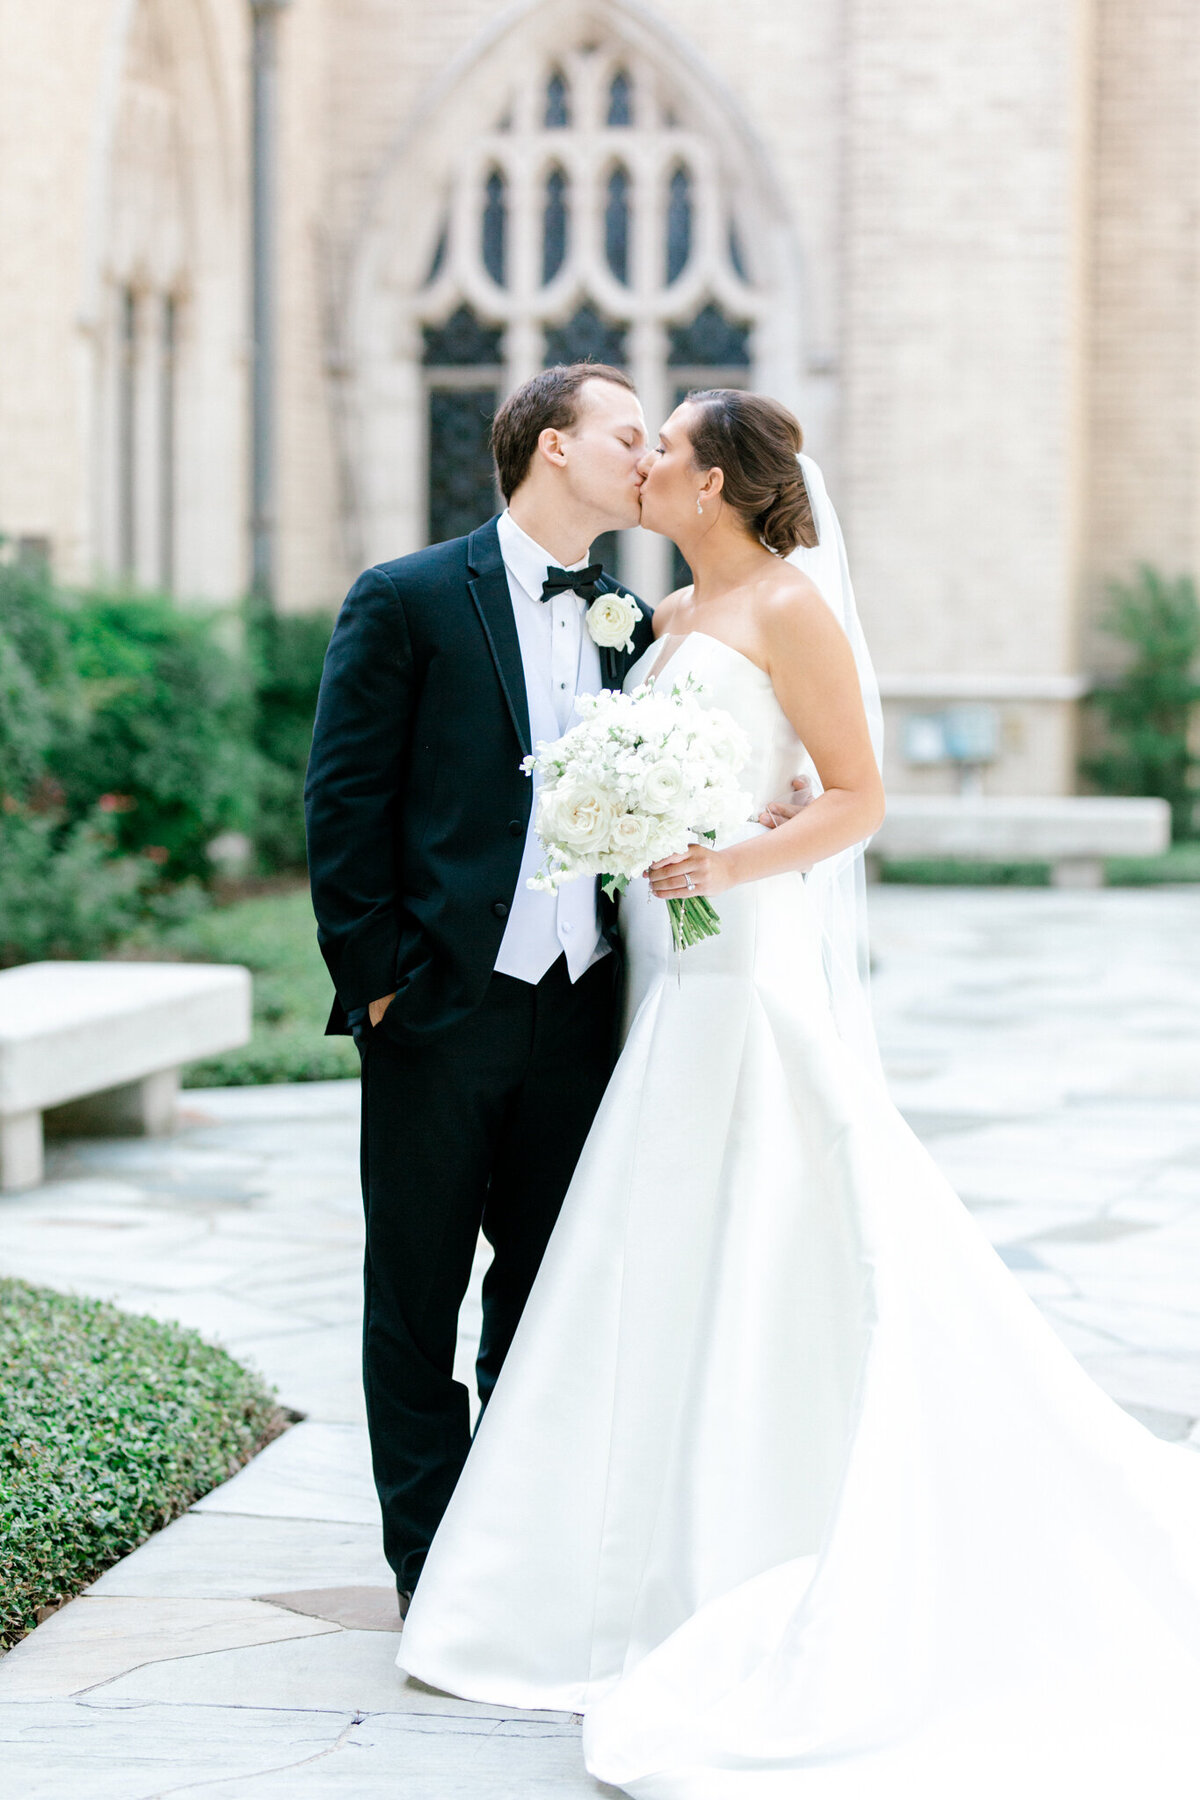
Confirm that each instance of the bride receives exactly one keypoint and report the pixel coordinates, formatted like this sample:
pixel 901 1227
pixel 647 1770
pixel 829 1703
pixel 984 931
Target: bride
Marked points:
pixel 786 1485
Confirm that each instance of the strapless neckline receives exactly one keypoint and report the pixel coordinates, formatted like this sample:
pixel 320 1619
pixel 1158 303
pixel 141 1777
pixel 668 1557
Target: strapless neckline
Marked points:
pixel 708 638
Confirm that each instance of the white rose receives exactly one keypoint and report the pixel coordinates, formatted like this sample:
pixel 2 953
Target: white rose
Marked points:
pixel 662 784
pixel 630 833
pixel 611 620
pixel 576 814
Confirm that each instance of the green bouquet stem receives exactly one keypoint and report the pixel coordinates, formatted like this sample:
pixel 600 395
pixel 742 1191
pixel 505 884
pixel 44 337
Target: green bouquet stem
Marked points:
pixel 693 920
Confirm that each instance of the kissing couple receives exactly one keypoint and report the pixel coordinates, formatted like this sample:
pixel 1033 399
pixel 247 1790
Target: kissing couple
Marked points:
pixel 780 1479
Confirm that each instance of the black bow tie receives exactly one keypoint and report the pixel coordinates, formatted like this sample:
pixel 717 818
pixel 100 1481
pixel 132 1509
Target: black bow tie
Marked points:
pixel 581 581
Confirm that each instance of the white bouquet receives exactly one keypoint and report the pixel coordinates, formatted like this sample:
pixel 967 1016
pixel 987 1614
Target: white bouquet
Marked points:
pixel 641 777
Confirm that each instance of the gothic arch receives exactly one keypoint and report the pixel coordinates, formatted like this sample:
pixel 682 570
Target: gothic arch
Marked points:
pixel 578 182
pixel 163 399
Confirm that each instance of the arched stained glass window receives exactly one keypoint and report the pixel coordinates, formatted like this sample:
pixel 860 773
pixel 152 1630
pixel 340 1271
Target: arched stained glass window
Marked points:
pixel 554 225
pixel 463 341
pixel 620 99
pixel 679 223
pixel 557 116
pixel 552 268
pixel 711 350
pixel 710 341
pixel 464 358
pixel 495 227
pixel 616 225
pixel 587 337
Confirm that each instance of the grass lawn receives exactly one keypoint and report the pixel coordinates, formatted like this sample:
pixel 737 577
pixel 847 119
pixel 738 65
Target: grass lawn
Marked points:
pixel 275 937
pixel 111 1425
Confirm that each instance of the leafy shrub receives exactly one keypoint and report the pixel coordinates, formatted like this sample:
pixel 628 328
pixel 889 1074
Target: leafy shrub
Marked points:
pixel 62 891
pixel 1148 711
pixel 24 723
pixel 167 729
pixel 289 653
pixel 33 615
pixel 186 722
pixel 41 698
pixel 110 1426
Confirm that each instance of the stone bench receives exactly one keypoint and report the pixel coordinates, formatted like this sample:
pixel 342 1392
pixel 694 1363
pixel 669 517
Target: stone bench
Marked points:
pixel 99 1045
pixel 1073 833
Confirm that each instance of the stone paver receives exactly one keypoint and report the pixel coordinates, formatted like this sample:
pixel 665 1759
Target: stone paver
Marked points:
pixel 1044 1045
pixel 98 1638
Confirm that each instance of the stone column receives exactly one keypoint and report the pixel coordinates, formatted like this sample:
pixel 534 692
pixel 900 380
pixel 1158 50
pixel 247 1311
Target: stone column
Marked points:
pixel 265 16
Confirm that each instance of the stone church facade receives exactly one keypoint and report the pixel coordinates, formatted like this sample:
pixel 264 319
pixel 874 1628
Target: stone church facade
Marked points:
pixel 960 238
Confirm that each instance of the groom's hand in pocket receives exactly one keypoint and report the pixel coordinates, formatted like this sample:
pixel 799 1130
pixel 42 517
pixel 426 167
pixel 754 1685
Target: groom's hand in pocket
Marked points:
pixel 377 1008
pixel 778 812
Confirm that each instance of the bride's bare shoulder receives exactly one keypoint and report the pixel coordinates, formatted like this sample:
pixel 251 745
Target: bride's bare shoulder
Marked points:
pixel 666 607
pixel 789 597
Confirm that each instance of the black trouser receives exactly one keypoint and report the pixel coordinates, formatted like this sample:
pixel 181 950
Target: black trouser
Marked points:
pixel 479 1124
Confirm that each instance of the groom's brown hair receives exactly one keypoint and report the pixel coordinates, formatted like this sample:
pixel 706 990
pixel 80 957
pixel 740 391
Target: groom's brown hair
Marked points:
pixel 547 402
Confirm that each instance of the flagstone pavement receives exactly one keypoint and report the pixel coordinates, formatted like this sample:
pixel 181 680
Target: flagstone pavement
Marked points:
pixel 1046 1047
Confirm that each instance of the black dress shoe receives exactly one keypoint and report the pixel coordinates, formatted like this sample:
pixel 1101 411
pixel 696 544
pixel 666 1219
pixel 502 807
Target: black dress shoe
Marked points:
pixel 403 1598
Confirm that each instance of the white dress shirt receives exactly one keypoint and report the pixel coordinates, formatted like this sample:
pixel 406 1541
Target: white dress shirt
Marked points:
pixel 560 661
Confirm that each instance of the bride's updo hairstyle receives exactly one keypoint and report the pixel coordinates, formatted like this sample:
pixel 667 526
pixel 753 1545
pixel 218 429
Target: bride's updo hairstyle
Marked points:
pixel 754 442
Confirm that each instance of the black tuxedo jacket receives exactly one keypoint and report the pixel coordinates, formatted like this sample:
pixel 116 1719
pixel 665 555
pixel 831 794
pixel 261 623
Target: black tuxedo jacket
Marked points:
pixel 415 803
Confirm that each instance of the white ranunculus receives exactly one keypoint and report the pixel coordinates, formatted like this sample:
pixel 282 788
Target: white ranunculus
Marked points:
pixel 662 784
pixel 611 621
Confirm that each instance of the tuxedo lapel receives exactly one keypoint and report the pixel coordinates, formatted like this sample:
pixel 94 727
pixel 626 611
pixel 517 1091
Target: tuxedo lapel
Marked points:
pixel 488 587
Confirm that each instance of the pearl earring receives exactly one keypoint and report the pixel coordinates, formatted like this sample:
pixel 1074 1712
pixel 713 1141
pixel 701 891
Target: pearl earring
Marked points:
pixel 699 508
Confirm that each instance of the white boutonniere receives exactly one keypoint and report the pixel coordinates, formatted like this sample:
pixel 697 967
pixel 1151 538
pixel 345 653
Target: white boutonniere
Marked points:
pixel 612 620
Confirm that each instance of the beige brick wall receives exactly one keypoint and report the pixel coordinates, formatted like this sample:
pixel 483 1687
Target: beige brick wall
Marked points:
pixel 960 257
pixel 1143 454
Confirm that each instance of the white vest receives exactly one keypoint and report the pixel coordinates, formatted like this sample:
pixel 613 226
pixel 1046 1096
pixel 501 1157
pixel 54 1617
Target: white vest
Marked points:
pixel 560 662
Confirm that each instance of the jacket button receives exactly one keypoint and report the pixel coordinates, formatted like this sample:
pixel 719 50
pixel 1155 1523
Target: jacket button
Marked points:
pixel 515 828
pixel 499 908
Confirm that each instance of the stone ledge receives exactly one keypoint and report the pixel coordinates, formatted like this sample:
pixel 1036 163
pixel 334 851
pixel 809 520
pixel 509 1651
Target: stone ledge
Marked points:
pixel 104 1042
pixel 1008 828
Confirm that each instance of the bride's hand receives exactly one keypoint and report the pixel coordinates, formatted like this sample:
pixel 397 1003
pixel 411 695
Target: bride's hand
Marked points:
pixel 696 870
pixel 778 812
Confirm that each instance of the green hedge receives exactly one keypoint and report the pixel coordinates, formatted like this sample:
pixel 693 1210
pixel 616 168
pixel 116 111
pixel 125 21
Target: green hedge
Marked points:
pixel 946 871
pixel 110 1426
pixel 1181 862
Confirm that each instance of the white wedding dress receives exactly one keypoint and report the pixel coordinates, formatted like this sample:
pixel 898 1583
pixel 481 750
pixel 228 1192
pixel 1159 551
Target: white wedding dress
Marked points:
pixel 786 1485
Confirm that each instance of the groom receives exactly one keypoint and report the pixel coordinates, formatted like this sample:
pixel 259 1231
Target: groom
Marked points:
pixel 484 1010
